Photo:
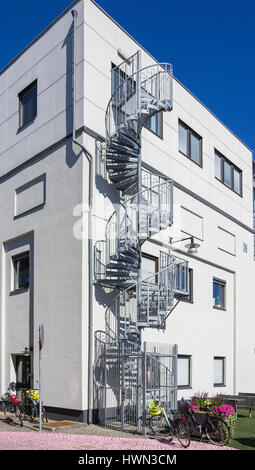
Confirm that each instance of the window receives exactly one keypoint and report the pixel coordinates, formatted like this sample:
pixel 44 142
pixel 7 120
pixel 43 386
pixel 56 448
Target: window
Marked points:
pixel 189 297
pixel 190 143
pixel 219 371
pixel 155 124
pixel 184 371
pixel 28 104
pixel 149 266
pixel 21 271
pixel 227 173
pixel 219 294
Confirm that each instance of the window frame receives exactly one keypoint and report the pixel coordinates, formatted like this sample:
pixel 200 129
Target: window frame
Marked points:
pixel 191 131
pixel 21 96
pixel 222 283
pixel 223 359
pixel 15 260
pixel 190 299
pixel 160 125
pixel 156 261
pixel 189 358
pixel 233 168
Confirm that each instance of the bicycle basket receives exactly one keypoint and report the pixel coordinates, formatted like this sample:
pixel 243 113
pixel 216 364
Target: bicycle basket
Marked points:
pixel 155 407
pixel 34 394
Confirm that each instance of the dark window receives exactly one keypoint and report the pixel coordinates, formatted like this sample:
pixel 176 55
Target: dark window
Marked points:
pixel 184 371
pixel 21 271
pixel 190 143
pixel 219 294
pixel 189 297
pixel 155 124
pixel 228 173
pixel 23 371
pixel 219 371
pixel 28 104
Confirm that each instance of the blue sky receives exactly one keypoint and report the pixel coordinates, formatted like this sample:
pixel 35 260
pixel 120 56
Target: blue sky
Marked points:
pixel 210 44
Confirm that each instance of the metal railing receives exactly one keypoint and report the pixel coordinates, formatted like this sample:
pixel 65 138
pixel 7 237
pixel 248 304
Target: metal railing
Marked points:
pixel 137 92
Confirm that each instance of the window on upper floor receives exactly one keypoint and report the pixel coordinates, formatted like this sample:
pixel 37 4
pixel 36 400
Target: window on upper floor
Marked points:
pixel 227 173
pixel 21 271
pixel 28 104
pixel 189 297
pixel 219 294
pixel 190 143
pixel 155 124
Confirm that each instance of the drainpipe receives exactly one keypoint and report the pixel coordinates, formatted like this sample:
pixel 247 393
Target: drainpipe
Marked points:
pixel 90 234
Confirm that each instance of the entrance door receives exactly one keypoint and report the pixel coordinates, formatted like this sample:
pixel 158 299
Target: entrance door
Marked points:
pixel 22 366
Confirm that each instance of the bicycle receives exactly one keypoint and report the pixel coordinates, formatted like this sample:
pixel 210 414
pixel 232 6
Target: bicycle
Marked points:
pixel 162 424
pixel 12 409
pixel 213 427
pixel 30 405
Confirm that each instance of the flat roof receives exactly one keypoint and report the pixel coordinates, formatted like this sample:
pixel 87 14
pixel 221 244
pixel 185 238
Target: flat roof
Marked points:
pixel 126 32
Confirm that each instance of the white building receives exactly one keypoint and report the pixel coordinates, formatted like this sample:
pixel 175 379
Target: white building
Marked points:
pixel 57 198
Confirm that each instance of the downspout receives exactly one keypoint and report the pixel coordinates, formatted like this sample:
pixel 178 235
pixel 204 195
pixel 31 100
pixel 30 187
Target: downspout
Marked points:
pixel 90 233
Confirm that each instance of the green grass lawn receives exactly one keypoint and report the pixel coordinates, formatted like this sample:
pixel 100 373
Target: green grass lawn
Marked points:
pixel 244 438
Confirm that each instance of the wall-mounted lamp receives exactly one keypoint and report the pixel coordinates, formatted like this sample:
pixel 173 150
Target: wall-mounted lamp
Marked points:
pixel 28 351
pixel 192 246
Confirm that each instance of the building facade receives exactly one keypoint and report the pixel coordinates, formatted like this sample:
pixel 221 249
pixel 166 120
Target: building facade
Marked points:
pixel 59 188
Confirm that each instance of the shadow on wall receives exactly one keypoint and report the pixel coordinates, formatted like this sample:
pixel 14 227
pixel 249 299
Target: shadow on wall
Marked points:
pixel 68 44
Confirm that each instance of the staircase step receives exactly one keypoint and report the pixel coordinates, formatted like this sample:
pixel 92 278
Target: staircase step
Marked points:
pixel 128 266
pixel 122 186
pixel 126 140
pixel 122 174
pixel 121 158
pixel 120 166
pixel 115 147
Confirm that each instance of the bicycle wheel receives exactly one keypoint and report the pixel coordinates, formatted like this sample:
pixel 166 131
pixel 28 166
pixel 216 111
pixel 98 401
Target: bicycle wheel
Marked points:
pixel 158 425
pixel 182 432
pixel 19 412
pixel 9 414
pixel 44 416
pixel 13 414
pixel 217 431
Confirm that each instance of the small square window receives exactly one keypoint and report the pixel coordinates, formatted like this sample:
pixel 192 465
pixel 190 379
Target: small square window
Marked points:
pixel 219 294
pixel 28 104
pixel 21 271
pixel 219 371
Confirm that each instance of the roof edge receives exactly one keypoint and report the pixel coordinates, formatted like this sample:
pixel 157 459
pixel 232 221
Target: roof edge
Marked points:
pixel 133 39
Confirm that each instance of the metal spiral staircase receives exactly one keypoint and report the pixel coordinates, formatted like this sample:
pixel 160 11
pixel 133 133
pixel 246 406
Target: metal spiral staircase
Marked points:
pixel 146 208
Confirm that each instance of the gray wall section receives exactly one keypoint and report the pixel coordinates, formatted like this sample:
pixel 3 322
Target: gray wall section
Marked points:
pixel 55 294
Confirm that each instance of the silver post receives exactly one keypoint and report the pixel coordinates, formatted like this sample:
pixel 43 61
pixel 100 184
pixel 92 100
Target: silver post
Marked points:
pixel 40 381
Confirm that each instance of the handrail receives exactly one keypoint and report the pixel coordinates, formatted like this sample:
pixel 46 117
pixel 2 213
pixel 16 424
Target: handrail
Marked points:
pixel 123 204
pixel 136 284
pixel 160 64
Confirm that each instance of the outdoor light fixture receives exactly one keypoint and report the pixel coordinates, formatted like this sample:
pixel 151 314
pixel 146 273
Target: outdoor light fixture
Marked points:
pixel 192 246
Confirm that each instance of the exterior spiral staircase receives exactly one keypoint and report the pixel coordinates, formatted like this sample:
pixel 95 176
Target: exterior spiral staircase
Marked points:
pixel 146 208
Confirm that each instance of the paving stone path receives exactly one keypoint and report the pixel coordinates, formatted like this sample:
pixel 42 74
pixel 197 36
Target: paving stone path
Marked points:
pixel 63 441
